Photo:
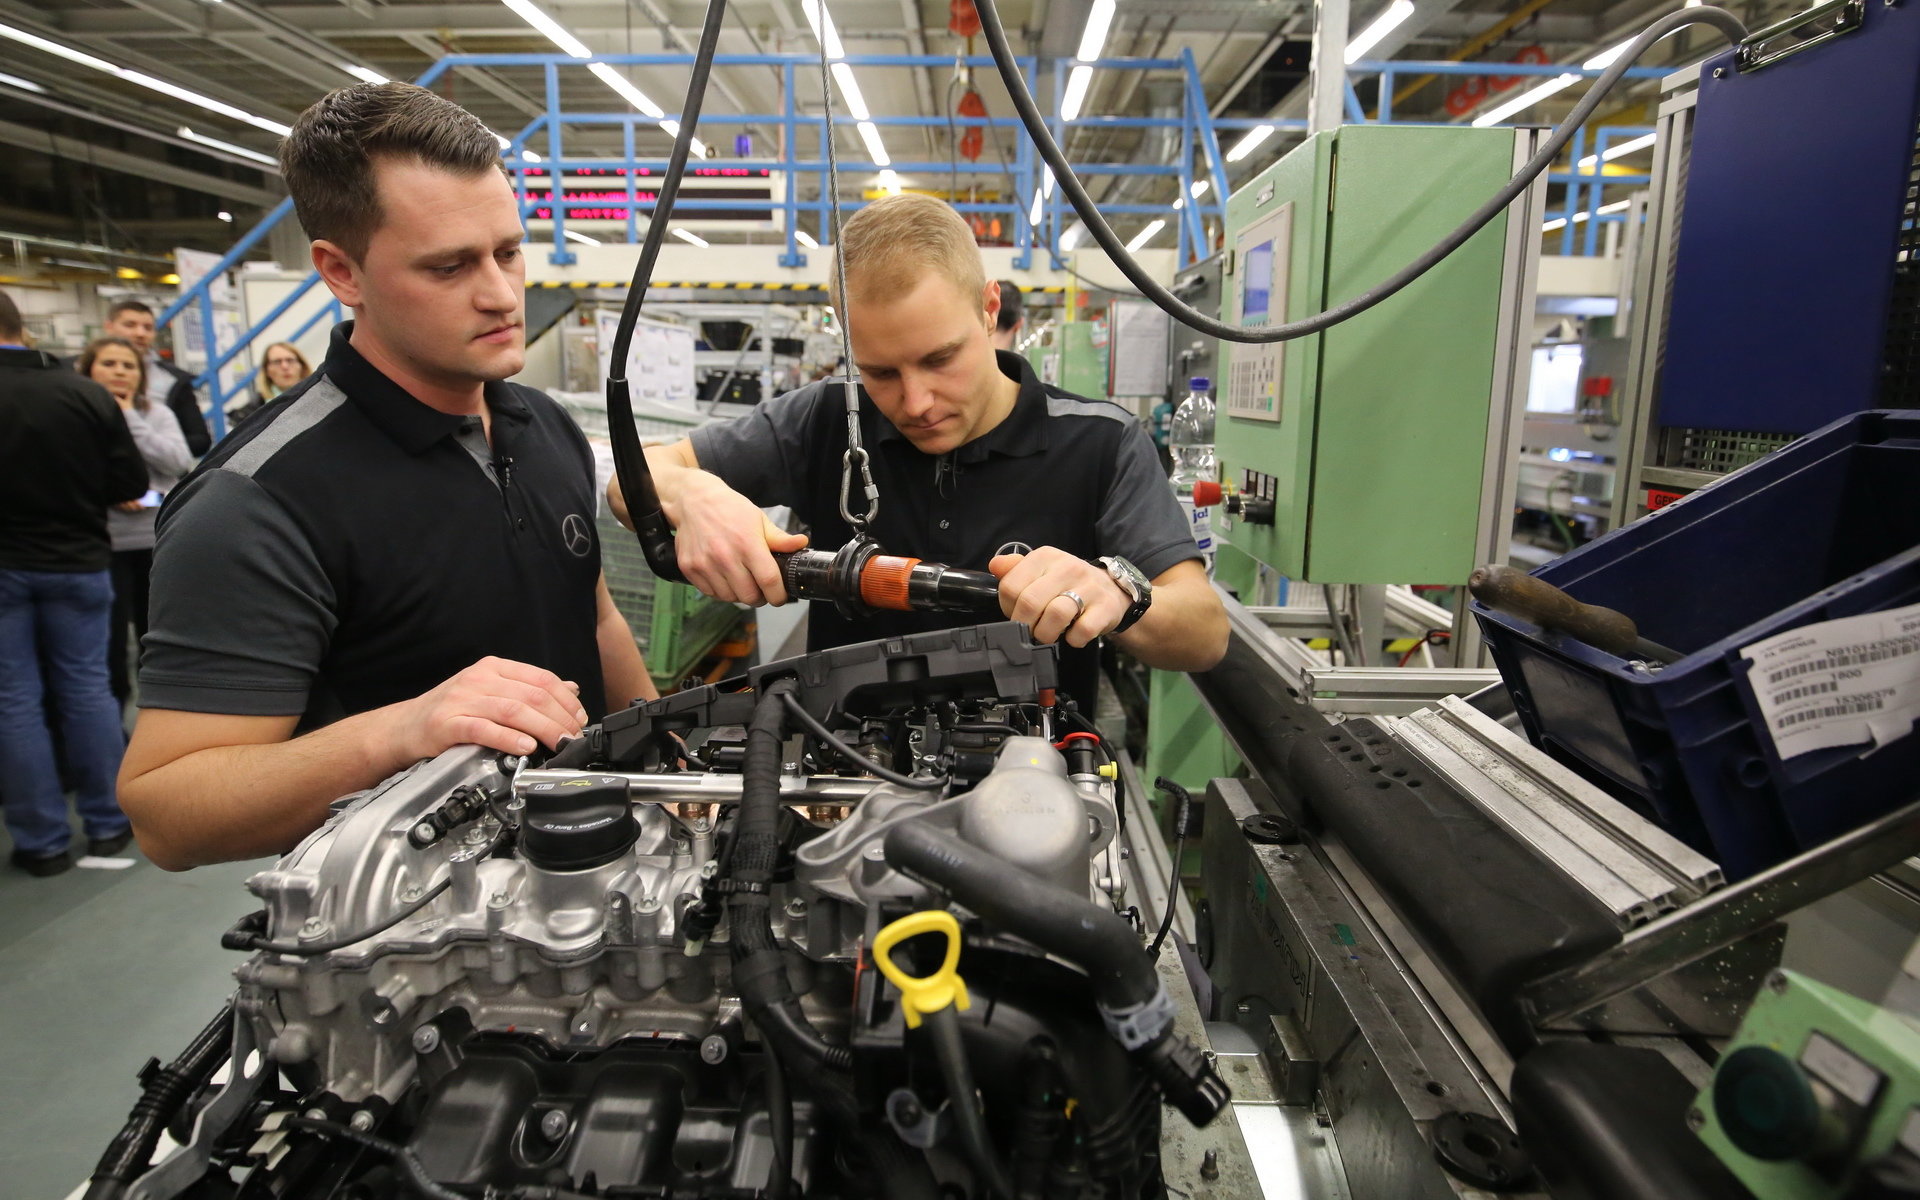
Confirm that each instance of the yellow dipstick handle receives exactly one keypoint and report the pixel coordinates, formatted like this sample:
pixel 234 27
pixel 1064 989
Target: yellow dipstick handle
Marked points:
pixel 930 994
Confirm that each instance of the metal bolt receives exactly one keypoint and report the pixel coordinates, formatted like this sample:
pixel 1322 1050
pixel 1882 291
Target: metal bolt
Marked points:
pixel 713 1049
pixel 796 909
pixel 1777 983
pixel 425 832
pixel 411 892
pixel 426 1039
pixel 554 1125
pixel 1696 1120
pixel 1719 71
pixel 362 1121
pixel 315 1114
pixel 1210 1165
pixel 312 927
pixel 498 899
pixel 906 1109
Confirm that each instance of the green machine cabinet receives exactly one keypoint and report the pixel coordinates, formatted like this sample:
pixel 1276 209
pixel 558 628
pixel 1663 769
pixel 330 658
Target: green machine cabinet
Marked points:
pixel 1083 362
pixel 1373 438
pixel 1817 1097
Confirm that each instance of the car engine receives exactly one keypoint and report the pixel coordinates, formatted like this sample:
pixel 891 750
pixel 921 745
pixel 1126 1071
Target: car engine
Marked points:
pixel 848 925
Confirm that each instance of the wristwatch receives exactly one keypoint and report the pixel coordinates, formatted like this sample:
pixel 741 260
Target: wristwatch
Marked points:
pixel 1137 587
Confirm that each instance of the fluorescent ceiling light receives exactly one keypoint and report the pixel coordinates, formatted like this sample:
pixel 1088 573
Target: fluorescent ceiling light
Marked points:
pixel 1606 58
pixel 605 73
pixel 889 183
pixel 1199 188
pixel 25 85
pixel 823 31
pixel 363 74
pixel 1146 235
pixel 142 79
pixel 850 91
pixel 1071 237
pixel 1249 143
pixel 805 239
pixel 1618 151
pixel 1033 214
pixel 1383 25
pixel 224 215
pixel 533 16
pixel 582 238
pixel 225 147
pixel 870 133
pixel 695 238
pixel 76 263
pixel 530 156
pixel 1076 94
pixel 1094 37
pixel 1526 100
pixel 1603 210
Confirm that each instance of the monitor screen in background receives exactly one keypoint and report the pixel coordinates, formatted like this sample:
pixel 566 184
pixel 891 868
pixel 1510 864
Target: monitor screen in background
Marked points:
pixel 1554 386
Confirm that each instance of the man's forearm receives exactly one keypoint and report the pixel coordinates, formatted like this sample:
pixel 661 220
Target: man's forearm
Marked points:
pixel 671 466
pixel 1184 630
pixel 234 802
pixel 622 667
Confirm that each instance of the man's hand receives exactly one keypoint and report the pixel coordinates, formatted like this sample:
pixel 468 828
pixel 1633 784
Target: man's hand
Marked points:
pixel 1034 587
pixel 723 541
pixel 496 703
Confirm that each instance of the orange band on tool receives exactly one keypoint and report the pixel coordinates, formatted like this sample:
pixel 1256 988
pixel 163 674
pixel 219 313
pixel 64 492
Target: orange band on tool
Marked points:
pixel 883 581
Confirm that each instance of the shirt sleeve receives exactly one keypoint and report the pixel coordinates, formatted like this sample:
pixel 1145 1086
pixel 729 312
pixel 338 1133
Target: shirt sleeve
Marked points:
pixel 1141 521
pixel 242 612
pixel 125 475
pixel 762 455
pixel 185 404
pixel 157 433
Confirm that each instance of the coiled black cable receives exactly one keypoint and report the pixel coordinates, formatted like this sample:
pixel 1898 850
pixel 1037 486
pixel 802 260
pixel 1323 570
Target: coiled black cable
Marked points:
pixel 819 730
pixel 1030 116
pixel 162 1093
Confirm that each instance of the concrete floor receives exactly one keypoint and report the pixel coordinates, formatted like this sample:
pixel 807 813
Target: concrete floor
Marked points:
pixel 99 970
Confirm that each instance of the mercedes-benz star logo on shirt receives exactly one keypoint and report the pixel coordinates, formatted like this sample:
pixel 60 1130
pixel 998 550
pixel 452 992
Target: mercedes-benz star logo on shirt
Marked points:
pixel 575 533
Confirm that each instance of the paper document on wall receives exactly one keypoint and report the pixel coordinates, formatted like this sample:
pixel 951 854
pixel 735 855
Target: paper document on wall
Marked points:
pixel 1839 683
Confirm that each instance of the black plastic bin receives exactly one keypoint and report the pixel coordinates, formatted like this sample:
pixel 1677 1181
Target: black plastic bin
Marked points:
pixel 1824 528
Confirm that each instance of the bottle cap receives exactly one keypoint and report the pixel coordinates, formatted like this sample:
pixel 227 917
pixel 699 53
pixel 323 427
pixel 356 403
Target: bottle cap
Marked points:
pixel 1199 383
pixel 1206 493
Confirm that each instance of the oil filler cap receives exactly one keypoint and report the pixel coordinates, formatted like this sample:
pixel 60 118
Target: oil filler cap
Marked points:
pixel 577 824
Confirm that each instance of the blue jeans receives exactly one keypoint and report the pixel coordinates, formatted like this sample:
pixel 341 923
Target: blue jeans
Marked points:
pixel 61 619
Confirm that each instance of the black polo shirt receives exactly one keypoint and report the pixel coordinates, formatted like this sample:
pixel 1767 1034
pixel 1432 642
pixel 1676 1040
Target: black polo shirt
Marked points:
pixel 1060 470
pixel 350 547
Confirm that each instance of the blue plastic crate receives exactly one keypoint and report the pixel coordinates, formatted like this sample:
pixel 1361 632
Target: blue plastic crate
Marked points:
pixel 1827 527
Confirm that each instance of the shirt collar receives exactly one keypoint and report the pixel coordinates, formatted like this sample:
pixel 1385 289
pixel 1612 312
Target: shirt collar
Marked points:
pixel 1022 432
pixel 22 356
pixel 415 425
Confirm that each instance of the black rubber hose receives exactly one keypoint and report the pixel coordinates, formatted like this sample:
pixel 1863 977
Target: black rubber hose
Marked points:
pixel 759 971
pixel 779 1129
pixel 160 1098
pixel 409 1162
pixel 1097 940
pixel 943 1028
pixel 1184 799
pixel 1030 116
pixel 819 730
pixel 650 523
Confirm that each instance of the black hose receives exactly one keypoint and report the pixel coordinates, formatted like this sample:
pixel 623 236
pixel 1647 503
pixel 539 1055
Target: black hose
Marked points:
pixel 161 1096
pixel 1184 799
pixel 950 1053
pixel 650 523
pixel 818 728
pixel 779 1129
pixel 1030 116
pixel 409 1162
pixel 1098 940
pixel 759 971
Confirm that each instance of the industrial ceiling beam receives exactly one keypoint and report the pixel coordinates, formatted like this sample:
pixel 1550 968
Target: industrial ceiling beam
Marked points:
pixel 29 138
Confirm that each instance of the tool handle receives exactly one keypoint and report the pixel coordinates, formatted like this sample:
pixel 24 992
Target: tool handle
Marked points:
pixel 1514 591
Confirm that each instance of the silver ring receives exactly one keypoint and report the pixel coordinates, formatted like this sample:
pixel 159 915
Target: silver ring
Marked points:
pixel 1013 548
pixel 1079 605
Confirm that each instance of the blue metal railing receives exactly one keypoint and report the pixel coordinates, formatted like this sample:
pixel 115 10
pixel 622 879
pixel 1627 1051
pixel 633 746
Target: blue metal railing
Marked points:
pixel 1199 133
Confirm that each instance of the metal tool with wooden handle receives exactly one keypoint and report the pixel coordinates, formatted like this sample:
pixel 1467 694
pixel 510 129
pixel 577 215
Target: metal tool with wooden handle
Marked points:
pixel 1513 591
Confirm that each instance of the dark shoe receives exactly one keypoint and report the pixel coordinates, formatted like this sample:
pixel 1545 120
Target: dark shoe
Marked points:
pixel 42 865
pixel 107 847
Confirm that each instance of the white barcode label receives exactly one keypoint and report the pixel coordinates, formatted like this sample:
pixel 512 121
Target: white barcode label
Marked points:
pixel 1839 683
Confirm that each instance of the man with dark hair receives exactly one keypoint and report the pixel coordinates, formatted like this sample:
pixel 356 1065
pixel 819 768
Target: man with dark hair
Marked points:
pixel 326 580
pixel 1012 318
pixel 65 455
pixel 166 383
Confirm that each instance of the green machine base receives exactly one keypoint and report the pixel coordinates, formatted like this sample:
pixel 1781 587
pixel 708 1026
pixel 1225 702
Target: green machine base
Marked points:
pixel 1817 1097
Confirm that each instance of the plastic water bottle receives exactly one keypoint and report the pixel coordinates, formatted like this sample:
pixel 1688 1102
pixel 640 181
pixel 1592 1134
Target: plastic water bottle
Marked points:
pixel 1190 442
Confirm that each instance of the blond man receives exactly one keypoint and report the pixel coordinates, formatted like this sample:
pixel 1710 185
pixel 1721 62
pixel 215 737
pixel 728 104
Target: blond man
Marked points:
pixel 970 451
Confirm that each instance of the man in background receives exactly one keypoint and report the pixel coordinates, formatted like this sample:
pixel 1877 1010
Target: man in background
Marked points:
pixel 166 383
pixel 65 456
pixel 1012 319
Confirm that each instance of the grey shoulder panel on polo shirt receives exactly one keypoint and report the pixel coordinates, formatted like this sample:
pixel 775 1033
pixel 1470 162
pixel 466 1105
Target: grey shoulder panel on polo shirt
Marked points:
pixel 318 403
pixel 1062 404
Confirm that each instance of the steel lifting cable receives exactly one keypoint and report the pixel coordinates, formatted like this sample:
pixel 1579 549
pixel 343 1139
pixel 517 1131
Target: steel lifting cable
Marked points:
pixel 855 459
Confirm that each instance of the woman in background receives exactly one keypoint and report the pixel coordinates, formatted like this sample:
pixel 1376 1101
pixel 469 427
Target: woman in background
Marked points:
pixel 114 364
pixel 281 367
